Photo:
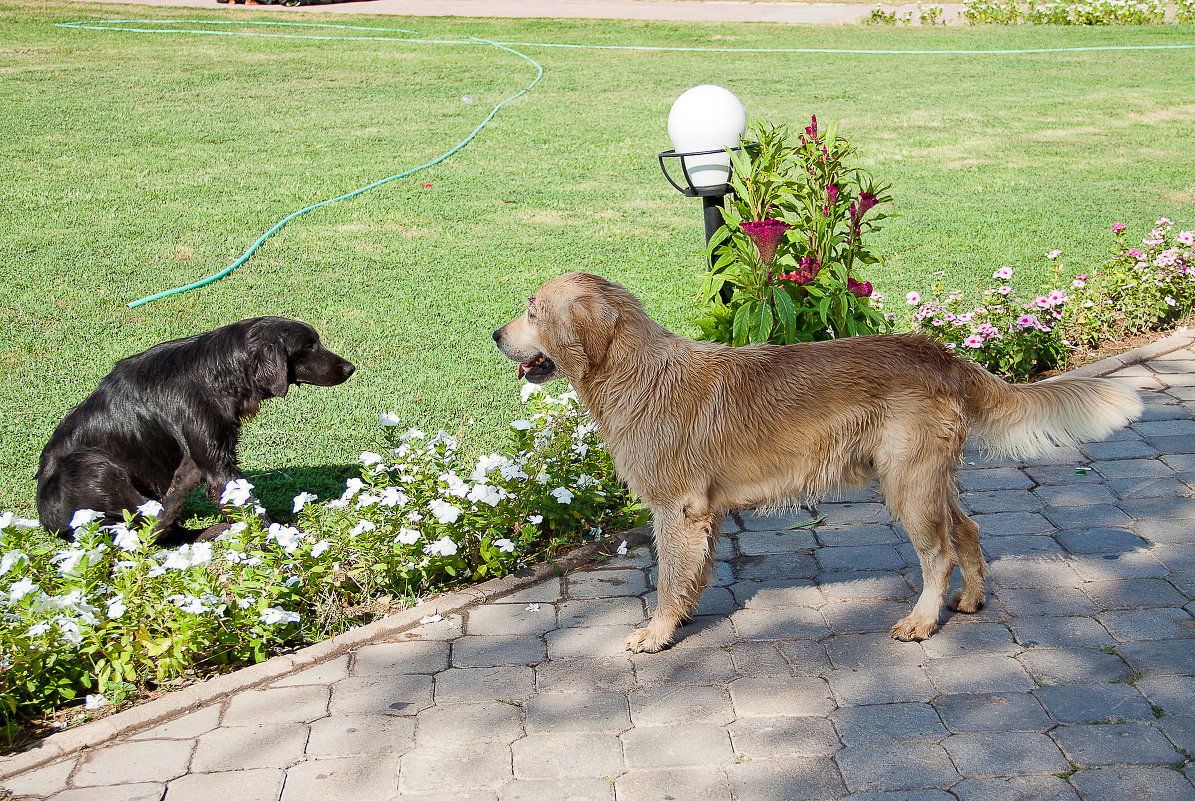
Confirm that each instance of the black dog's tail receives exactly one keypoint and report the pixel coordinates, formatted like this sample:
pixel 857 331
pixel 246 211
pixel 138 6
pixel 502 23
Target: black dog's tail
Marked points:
pixel 83 479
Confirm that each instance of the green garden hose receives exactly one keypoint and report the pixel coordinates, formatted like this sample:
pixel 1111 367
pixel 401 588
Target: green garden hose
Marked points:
pixel 124 25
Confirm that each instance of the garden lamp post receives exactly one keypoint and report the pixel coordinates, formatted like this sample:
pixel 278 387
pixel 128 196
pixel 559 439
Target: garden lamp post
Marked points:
pixel 703 124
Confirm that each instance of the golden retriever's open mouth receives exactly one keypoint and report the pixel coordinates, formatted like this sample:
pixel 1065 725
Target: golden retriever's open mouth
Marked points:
pixel 538 369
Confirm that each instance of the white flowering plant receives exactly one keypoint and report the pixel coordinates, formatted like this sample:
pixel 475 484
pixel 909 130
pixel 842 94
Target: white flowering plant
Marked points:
pixel 110 610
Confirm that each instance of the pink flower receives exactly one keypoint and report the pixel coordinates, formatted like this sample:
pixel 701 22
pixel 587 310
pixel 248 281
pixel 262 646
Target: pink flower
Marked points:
pixel 766 234
pixel 859 290
pixel 913 298
pixel 1028 321
pixel 973 341
pixel 1118 227
pixel 1186 237
pixel 1133 253
pixel 1004 273
pixel 1042 302
pixel 1057 297
pixel 1078 283
pixel 1004 290
pixel 1053 254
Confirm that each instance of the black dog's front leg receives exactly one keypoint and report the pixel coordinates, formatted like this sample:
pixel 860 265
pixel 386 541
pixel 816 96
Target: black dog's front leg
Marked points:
pixel 186 478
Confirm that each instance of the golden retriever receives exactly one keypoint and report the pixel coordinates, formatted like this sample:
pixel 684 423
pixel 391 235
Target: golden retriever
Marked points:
pixel 697 429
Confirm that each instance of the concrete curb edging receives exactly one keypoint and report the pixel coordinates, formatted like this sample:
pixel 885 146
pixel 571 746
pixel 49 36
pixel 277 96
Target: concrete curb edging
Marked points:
pixel 201 693
pixel 1172 342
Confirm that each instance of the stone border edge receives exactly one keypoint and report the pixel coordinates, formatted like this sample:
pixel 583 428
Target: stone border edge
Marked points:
pixel 1172 342
pixel 188 699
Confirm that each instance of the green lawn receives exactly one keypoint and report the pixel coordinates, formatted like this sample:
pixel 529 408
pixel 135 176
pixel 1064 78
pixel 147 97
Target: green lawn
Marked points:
pixel 131 163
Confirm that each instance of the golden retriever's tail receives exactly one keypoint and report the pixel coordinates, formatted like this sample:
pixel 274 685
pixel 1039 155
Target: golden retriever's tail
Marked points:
pixel 1021 420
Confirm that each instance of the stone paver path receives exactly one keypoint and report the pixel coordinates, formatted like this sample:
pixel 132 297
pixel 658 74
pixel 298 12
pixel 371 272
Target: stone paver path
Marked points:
pixel 1076 681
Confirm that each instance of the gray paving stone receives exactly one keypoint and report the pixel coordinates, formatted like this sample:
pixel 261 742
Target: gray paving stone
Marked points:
pixel 1118 784
pixel 677 783
pixel 615 674
pixel 1161 658
pixel 1177 444
pixel 187 727
pixel 1009 500
pixel 1179 729
pixel 606 583
pixel 467 723
pixel 1005 754
pixel 594 712
pixel 323 673
pixel 774 521
pixel 567 755
pixel 1172 693
pixel 757 543
pixel 483 651
pixel 760 659
pixel 1092 516
pixel 1134 593
pixel 1139 488
pixel 1167 531
pixel 705 631
pixel 1021 545
pixel 805 657
pixel 511 619
pixel 1166 428
pixel 1050 475
pixel 785 779
pixel 778 624
pixel 724 573
pixel 1128 564
pixel 841 515
pixel 1055 601
pixel 784 736
pixel 1015 788
pixel 547 591
pixel 42 781
pixel 350 735
pixel 276 745
pixel 1100 540
pixel 1134 468
pixel 896 766
pixel 448 628
pixel 386 659
pixel 1115 744
pixel 852 585
pixel 800 695
pixel 380 695
pixel 872 649
pixel 695 666
pixel 774 567
pixel 880 685
pixel 1180 461
pixel 1120 449
pixel 135 762
pixel 587 642
pixel 1172 508
pixel 1094 703
pixel 781 594
pixel 571 789
pixel 1033 571
pixel 856 536
pixel 453 766
pixel 996 478
pixel 142 791
pixel 263 784
pixel 865 557
pixel 666 747
pixel 1003 524
pixel 978 674
pixel 472 685
pixel 971 639
pixel 902 795
pixel 714 601
pixel 863 615
pixel 1130 625
pixel 1061 632
pixel 992 712
pixel 661 706
pixel 1067 495
pixel 862 725
pixel 1073 665
pixel 281 705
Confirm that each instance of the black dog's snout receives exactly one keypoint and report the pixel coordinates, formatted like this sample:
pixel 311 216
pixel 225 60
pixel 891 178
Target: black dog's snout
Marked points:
pixel 498 335
pixel 348 369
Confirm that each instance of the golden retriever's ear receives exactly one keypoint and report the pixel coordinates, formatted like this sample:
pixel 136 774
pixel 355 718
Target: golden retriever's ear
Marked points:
pixel 594 320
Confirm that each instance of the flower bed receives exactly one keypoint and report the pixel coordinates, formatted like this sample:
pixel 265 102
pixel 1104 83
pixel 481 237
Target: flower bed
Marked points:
pixel 109 615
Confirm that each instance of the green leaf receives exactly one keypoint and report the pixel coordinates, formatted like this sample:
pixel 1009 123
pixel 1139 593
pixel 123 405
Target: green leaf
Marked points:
pixel 742 318
pixel 786 312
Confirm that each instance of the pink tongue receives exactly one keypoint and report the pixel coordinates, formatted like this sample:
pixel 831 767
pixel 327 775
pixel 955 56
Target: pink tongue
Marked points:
pixel 523 368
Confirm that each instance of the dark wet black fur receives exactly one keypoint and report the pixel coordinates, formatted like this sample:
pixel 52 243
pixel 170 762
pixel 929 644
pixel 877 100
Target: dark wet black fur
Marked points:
pixel 169 418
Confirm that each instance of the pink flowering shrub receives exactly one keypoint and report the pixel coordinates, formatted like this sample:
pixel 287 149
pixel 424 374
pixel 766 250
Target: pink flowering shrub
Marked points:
pixel 1141 288
pixel 1007 334
pixel 785 260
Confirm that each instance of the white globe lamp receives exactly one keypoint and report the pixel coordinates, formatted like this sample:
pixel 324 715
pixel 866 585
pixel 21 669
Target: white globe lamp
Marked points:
pixel 703 123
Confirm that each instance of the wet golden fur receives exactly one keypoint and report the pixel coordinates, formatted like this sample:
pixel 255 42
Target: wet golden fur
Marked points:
pixel 697 429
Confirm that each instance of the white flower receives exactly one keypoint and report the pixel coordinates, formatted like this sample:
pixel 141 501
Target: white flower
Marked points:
pixel 287 537
pixel 430 619
pixel 201 554
pixel 393 496
pixel 486 464
pixel 94 702
pixel 521 425
pixel 24 522
pixel 456 487
pixel 446 513
pixel 338 503
pixel 155 571
pixel 622 549
pixel 11 558
pixel 125 538
pixel 441 547
pixel 361 528
pixel 512 471
pixel 292 581
pixel 415 517
pixel 70 631
pixel 84 517
pixel 369 458
pixel 1053 254
pixel 302 499
pixel 274 615
pixel 246 602
pixel 504 545
pixel 913 298
pixel 150 509
pixel 413 433
pixel 528 390
pixel 237 492
pixel 191 605
pixel 1004 273
pixel 178 559
pixel 38 629
pixel 20 588
pixel 407 536
pixel 352 487
pixel 318 549
pixel 389 419
pixel 1170 301
pixel 365 499
pixel 484 493
pixel 236 528
pixel 68 560
pixel 532 608
pixel 116 608
pixel 562 495
pixel 535 520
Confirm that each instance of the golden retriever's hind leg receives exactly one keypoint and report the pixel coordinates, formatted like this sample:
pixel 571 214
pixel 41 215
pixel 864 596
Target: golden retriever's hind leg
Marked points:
pixel 684 544
pixel 964 535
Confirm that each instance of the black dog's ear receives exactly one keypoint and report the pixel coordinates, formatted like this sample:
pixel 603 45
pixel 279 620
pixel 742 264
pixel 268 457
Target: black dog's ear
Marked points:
pixel 269 371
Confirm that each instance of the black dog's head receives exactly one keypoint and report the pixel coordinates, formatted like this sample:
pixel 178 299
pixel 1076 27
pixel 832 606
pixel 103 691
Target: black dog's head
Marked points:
pixel 284 352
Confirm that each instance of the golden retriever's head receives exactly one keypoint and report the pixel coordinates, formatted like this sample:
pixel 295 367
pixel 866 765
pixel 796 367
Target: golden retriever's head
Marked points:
pixel 566 330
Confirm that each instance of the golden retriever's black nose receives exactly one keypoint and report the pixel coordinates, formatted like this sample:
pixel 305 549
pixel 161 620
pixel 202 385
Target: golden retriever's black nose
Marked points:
pixel 498 335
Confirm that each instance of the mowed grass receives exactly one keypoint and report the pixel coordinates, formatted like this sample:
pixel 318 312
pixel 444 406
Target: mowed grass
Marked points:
pixel 130 163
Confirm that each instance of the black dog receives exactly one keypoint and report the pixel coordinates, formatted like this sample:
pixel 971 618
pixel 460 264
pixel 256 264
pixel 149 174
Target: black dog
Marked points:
pixel 168 418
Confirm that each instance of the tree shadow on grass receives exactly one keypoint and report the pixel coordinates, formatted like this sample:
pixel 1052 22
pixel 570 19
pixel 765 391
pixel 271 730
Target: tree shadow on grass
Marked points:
pixel 276 490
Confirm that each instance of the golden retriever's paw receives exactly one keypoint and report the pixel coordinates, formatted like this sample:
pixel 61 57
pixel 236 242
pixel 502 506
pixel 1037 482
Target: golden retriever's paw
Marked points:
pixel 910 630
pixel 645 641
pixel 966 602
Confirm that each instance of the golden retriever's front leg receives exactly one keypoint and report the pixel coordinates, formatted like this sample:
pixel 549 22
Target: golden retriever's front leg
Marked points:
pixel 684 542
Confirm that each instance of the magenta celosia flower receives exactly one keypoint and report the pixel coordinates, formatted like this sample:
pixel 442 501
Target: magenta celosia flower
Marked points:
pixel 766 234
pixel 859 290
